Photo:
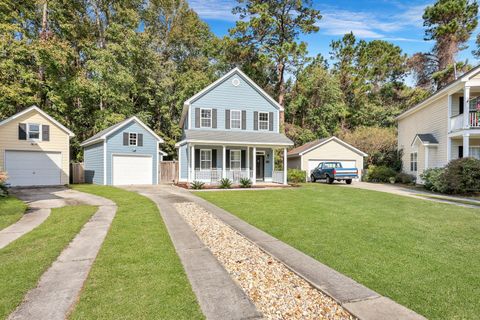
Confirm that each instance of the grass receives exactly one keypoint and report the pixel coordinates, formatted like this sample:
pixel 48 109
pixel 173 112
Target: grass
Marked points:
pixel 11 210
pixel 422 254
pixel 23 261
pixel 137 273
pixel 451 199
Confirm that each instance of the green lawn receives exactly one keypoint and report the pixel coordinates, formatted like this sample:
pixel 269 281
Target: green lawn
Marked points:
pixel 422 254
pixel 11 209
pixel 137 273
pixel 26 259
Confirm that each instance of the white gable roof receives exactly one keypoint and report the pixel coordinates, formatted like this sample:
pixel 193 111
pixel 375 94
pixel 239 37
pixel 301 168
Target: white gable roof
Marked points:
pixel 321 142
pixel 214 84
pixel 102 135
pixel 43 113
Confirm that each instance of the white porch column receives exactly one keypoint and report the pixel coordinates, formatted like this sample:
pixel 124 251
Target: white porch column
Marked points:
pixel 284 165
pixel 427 149
pixel 449 149
pixel 449 123
pixel 254 165
pixel 466 108
pixel 192 165
pixel 248 162
pixel 466 145
pixel 224 162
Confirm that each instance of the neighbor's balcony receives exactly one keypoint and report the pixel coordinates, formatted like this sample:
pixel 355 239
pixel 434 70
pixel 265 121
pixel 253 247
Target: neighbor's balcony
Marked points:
pixel 456 122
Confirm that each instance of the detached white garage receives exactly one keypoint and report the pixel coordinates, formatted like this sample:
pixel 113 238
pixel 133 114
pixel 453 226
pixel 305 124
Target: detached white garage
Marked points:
pixel 132 169
pixel 308 156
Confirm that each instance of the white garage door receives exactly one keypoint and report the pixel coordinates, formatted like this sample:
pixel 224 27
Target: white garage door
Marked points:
pixel 312 164
pixel 132 169
pixel 32 168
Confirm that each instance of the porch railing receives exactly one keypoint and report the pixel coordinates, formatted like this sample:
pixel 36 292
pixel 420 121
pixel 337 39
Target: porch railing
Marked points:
pixel 209 176
pixel 474 119
pixel 277 177
pixel 237 175
pixel 456 122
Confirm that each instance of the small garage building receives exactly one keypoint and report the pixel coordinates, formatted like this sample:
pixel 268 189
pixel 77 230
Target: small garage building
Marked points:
pixel 127 153
pixel 34 149
pixel 308 156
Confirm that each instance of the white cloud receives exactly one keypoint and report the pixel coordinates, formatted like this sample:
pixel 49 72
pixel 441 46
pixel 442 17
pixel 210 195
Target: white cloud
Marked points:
pixel 212 9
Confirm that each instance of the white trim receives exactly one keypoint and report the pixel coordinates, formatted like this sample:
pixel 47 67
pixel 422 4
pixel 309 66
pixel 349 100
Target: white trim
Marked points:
pixel 211 116
pixel 254 166
pixel 231 119
pixel 363 154
pixel 224 162
pixel 141 155
pixel 105 162
pixel 180 164
pixel 265 144
pixel 157 164
pixel 187 104
pixel 268 121
pixel 425 165
pixel 424 143
pixel 21 113
pixel 119 126
pixel 163 153
pixel 285 166
pixel 136 139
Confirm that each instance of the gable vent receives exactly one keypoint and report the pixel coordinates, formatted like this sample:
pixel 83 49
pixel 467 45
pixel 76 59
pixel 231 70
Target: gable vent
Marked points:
pixel 236 82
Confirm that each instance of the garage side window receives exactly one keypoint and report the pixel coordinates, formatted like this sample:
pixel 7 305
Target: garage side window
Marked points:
pixel 413 161
pixel 33 131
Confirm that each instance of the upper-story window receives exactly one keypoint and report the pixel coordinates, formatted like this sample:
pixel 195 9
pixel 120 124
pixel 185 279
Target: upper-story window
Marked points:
pixel 206 118
pixel 263 121
pixel 413 161
pixel 132 139
pixel 33 131
pixel 235 119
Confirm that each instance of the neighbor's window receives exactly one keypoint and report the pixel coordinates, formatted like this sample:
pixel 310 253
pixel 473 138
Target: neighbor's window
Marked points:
pixel 263 120
pixel 413 161
pixel 132 139
pixel 475 152
pixel 206 118
pixel 33 131
pixel 235 119
pixel 235 160
pixel 205 159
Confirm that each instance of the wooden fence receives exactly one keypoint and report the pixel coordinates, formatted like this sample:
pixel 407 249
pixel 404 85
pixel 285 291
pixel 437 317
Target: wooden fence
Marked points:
pixel 77 172
pixel 168 171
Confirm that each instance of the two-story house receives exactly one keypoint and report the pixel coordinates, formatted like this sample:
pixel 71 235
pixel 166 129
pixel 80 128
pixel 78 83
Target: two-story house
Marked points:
pixel 231 129
pixel 443 127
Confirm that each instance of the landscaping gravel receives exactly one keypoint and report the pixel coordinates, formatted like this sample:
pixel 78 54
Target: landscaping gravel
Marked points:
pixel 276 291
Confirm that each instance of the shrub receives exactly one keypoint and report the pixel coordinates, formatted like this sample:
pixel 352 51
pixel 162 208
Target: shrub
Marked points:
pixel 379 174
pixel 296 175
pixel 405 178
pixel 245 183
pixel 433 179
pixel 197 185
pixel 462 176
pixel 225 183
pixel 3 184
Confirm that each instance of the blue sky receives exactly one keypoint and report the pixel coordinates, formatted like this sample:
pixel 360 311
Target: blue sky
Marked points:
pixel 399 22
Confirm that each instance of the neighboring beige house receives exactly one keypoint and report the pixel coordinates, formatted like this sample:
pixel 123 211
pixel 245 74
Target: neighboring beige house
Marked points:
pixel 308 156
pixel 443 127
pixel 34 149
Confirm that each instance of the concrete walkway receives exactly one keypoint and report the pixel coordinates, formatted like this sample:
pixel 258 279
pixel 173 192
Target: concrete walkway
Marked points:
pixel 60 285
pixel 218 295
pixel 356 298
pixel 403 191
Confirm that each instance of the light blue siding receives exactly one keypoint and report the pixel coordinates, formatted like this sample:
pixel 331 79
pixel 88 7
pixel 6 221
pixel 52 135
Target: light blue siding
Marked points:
pixel 227 96
pixel 183 152
pixel 93 163
pixel 115 146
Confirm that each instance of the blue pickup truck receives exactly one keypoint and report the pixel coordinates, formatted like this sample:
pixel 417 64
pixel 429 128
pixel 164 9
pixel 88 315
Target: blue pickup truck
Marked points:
pixel 331 171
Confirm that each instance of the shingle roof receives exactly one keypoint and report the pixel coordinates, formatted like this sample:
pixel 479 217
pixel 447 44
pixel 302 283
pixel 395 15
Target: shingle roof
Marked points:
pixel 426 138
pixel 306 146
pixel 104 131
pixel 235 137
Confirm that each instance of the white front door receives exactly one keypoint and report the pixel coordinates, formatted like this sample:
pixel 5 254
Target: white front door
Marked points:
pixel 33 168
pixel 132 169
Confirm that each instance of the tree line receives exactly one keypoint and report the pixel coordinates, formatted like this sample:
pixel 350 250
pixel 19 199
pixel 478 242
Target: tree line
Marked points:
pixel 92 63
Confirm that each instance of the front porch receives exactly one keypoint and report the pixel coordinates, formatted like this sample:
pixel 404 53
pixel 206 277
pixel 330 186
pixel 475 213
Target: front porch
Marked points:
pixel 210 163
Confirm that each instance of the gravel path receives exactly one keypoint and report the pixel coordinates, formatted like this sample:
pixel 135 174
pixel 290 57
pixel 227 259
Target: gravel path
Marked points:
pixel 275 290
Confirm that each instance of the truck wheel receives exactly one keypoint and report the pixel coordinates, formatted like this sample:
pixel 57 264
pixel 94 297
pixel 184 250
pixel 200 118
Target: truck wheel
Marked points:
pixel 348 181
pixel 330 180
pixel 312 178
